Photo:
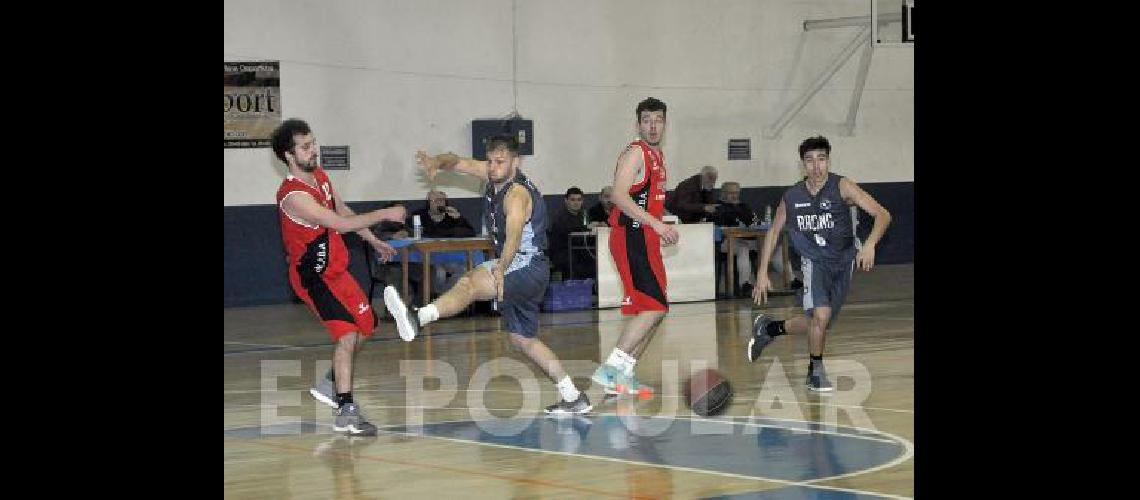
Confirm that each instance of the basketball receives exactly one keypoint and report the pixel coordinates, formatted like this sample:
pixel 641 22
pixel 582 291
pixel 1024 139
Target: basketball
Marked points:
pixel 708 393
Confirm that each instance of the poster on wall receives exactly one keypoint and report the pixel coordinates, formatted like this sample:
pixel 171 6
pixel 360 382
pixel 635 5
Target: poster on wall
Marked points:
pixel 252 103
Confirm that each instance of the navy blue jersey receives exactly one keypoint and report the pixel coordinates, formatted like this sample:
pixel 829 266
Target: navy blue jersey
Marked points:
pixel 819 227
pixel 534 231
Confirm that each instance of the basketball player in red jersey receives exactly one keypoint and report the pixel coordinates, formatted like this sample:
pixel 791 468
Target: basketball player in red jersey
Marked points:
pixel 312 219
pixel 638 203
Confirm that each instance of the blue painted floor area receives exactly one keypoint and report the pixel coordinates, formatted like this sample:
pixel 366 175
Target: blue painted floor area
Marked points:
pixel 798 493
pixel 761 448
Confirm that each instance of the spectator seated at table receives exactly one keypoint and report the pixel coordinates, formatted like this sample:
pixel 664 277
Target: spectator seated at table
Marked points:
pixel 570 218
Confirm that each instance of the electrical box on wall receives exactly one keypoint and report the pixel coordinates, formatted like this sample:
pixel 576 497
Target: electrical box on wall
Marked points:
pixel 481 130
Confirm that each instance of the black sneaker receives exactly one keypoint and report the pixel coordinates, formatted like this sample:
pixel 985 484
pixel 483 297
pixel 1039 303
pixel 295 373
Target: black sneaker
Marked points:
pixel 760 337
pixel 745 291
pixel 817 378
pixel 796 284
pixel 580 406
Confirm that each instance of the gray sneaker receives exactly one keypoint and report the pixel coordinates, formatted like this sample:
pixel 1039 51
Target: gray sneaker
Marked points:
pixel 580 406
pixel 350 421
pixel 325 392
pixel 760 338
pixel 407 321
pixel 817 378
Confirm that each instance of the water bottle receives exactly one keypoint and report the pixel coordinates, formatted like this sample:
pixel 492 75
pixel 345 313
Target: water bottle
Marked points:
pixel 419 229
pixel 768 214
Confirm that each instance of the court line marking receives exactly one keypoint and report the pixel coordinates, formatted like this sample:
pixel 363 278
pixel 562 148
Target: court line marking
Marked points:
pixel 524 414
pixel 762 426
pixel 896 440
pixel 905 456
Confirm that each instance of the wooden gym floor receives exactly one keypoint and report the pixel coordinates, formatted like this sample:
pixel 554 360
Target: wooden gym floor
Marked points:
pixel 461 414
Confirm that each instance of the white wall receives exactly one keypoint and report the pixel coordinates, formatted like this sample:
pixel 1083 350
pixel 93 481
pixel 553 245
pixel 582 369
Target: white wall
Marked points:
pixel 389 77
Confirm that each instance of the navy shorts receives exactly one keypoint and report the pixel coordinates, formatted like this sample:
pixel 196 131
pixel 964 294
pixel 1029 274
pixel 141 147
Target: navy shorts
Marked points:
pixel 825 284
pixel 523 291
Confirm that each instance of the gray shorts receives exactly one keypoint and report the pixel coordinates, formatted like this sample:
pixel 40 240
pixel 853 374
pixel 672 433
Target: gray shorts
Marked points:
pixel 825 284
pixel 523 291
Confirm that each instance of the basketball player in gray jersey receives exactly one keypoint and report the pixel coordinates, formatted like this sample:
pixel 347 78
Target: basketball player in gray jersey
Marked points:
pixel 515 215
pixel 820 229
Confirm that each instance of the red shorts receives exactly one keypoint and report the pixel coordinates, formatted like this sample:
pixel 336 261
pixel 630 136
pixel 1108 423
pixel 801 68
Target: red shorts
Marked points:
pixel 337 300
pixel 637 255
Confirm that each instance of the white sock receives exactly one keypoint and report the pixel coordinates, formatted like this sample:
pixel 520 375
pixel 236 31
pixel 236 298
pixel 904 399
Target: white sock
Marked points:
pixel 567 389
pixel 428 314
pixel 618 359
pixel 628 368
pixel 615 360
pixel 626 357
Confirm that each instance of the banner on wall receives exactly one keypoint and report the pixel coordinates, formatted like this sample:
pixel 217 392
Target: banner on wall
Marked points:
pixel 252 103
